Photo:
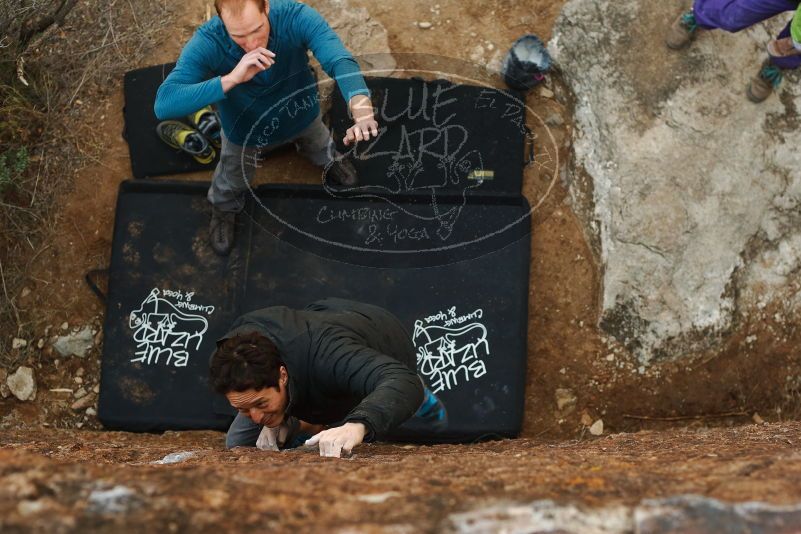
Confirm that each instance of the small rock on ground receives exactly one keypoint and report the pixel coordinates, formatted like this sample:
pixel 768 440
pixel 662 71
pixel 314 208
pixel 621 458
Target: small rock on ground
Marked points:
pixel 597 428
pixel 4 391
pixel 565 399
pixel 83 403
pixel 22 384
pixel 77 344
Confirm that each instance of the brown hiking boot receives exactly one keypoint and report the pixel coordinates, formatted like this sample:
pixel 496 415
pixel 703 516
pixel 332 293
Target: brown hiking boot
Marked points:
pixel 342 173
pixel 221 231
pixel 682 31
pixel 764 83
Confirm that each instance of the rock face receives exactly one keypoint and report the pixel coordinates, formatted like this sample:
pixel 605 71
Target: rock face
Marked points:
pixel 683 513
pixel 692 202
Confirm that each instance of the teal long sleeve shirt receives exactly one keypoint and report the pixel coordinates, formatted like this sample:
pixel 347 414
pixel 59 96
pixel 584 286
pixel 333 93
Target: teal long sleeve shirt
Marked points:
pixel 276 104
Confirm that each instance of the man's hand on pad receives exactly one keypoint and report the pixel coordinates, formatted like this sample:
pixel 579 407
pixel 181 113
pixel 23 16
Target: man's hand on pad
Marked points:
pixel 364 123
pixel 361 131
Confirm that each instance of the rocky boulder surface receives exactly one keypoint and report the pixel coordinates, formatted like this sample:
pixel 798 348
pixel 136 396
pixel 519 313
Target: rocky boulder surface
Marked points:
pixel 688 192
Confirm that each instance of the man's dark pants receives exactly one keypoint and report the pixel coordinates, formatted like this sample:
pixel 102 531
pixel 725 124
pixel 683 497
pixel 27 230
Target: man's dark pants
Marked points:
pixel 736 15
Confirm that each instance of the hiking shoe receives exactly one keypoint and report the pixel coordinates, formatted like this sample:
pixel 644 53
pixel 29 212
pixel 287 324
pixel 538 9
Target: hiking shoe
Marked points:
pixel 207 122
pixel 221 231
pixel 783 47
pixel 682 31
pixel 342 172
pixel 185 138
pixel 764 83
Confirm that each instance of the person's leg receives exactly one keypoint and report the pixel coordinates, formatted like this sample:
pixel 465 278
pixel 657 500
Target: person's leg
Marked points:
pixel 770 75
pixel 232 176
pixel 230 180
pixel 242 433
pixel 316 144
pixel 736 15
pixel 682 31
pixel 786 62
pixel 727 15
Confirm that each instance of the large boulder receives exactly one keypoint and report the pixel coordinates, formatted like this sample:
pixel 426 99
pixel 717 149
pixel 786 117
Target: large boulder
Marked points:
pixel 692 201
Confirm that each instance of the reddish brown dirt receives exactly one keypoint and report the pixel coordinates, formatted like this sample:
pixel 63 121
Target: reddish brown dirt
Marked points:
pixel 46 481
pixel 566 349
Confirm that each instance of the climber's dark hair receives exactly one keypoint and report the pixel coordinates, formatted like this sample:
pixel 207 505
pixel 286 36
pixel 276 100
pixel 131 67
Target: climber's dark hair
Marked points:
pixel 245 361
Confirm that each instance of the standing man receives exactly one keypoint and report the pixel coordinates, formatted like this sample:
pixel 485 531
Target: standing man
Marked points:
pixel 339 364
pixel 784 52
pixel 251 61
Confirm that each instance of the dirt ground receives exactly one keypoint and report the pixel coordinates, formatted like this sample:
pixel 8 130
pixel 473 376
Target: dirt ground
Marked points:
pixel 566 351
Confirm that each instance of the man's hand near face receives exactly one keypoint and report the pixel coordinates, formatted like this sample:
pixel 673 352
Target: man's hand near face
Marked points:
pixel 272 439
pixel 252 63
pixel 335 441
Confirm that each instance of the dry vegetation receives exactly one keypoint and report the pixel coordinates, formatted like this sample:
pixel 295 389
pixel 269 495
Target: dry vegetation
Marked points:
pixel 58 58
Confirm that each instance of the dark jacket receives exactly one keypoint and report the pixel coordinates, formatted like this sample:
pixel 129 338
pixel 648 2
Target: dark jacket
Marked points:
pixel 347 361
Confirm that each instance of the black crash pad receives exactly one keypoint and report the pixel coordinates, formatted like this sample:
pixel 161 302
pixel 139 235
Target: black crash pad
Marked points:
pixel 461 290
pixel 436 134
pixel 150 156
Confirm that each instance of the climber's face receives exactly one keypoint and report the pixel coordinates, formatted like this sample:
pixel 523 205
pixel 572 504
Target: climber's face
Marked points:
pixel 248 27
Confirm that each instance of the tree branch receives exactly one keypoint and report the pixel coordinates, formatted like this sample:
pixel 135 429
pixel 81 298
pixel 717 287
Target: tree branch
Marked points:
pixel 39 24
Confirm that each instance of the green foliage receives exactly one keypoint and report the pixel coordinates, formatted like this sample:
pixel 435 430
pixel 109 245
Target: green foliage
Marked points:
pixel 12 164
